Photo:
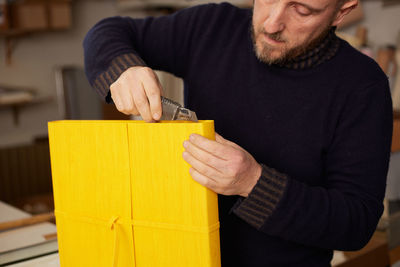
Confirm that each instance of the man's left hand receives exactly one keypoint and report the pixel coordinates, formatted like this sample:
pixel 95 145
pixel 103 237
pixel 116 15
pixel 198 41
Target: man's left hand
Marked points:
pixel 221 165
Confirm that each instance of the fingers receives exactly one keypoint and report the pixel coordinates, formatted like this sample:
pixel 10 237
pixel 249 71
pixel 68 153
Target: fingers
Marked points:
pixel 217 149
pixel 221 165
pixel 123 100
pixel 153 93
pixel 200 166
pixel 202 155
pixel 142 103
pixel 204 180
pixel 138 91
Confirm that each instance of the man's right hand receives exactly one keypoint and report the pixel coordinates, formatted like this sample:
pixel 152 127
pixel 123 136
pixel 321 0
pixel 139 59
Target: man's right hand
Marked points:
pixel 138 91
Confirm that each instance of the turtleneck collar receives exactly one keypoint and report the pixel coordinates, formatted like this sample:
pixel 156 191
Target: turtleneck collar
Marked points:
pixel 324 51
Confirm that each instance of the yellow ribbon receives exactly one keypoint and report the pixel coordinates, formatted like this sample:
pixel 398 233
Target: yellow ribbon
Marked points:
pixel 112 223
pixel 116 220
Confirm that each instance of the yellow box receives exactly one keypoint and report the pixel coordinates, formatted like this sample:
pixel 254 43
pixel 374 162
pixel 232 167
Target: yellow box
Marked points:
pixel 124 196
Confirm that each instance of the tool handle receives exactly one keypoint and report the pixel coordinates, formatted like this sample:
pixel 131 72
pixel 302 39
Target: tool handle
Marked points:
pixel 44 217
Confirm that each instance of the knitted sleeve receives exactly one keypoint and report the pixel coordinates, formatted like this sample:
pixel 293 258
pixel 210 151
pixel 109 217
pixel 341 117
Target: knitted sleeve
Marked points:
pixel 343 213
pixel 118 43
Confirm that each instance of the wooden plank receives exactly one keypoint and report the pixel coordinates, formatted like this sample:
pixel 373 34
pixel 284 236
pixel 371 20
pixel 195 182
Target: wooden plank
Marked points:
pixel 25 236
pixel 9 213
pixel 45 261
pixel 26 221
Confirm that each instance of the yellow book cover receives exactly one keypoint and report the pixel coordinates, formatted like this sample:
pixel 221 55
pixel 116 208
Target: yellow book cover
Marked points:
pixel 124 196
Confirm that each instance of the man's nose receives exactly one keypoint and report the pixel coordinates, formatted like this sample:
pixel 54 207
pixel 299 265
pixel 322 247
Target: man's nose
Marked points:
pixel 275 22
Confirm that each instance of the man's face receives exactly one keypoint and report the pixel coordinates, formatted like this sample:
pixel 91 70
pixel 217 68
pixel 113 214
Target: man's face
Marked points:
pixel 284 29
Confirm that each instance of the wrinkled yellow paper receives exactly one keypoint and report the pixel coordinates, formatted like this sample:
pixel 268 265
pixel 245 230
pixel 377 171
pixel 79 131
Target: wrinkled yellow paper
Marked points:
pixel 124 196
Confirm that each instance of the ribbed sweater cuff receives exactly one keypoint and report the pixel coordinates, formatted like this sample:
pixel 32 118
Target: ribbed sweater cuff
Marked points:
pixel 263 199
pixel 117 66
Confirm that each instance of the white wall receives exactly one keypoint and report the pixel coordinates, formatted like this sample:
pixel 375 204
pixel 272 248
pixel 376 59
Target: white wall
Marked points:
pixel 383 23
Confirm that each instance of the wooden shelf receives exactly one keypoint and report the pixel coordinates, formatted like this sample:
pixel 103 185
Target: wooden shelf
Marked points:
pixel 16 107
pixel 26 17
pixel 13 33
pixel 16 103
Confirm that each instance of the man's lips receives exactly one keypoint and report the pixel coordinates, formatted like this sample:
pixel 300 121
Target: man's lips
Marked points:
pixel 271 41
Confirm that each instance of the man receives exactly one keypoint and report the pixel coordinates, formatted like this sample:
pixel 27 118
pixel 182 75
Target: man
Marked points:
pixel 307 119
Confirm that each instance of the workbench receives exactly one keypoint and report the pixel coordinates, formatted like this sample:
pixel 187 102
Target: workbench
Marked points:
pixel 27 243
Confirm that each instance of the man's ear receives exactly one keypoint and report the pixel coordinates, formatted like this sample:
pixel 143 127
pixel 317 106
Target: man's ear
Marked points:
pixel 344 10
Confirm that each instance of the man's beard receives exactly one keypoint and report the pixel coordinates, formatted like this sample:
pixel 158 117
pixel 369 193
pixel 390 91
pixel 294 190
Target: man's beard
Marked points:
pixel 264 54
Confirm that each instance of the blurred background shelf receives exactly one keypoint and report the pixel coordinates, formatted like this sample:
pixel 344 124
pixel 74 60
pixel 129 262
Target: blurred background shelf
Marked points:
pixel 17 97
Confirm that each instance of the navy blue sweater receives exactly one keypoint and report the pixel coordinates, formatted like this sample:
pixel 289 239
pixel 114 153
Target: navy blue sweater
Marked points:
pixel 322 133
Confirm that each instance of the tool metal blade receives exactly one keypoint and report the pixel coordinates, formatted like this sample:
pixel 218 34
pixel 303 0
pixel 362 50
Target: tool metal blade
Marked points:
pixel 172 110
